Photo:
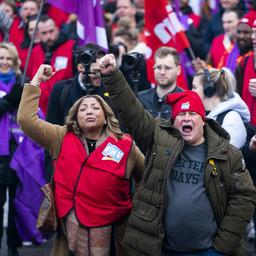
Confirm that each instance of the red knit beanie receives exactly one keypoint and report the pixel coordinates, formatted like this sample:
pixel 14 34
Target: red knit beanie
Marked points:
pixel 247 20
pixel 185 101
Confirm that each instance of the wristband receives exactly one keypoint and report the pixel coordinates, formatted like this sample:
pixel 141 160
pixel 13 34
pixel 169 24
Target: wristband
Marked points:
pixel 34 83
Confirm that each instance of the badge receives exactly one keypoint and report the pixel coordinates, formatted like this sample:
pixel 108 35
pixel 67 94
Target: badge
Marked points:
pixel 185 105
pixel 61 62
pixel 112 153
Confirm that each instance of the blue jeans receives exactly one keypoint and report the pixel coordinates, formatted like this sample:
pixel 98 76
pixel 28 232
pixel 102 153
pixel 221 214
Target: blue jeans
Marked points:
pixel 208 252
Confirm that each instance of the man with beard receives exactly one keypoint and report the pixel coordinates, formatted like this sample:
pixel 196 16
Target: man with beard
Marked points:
pixel 246 74
pixel 166 70
pixel 56 50
pixel 244 43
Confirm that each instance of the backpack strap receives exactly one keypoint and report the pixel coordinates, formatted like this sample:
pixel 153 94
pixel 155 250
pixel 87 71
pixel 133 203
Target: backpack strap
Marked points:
pixel 221 117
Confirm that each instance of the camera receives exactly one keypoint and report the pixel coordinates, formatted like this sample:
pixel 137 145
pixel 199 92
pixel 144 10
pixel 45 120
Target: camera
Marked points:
pixel 114 49
pixel 87 57
pixel 132 60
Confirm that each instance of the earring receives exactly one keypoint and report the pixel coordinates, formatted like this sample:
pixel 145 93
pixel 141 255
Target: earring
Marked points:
pixel 75 127
pixel 105 122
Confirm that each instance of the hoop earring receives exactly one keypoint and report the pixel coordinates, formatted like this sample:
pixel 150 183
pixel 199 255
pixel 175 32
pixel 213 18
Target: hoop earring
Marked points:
pixel 75 127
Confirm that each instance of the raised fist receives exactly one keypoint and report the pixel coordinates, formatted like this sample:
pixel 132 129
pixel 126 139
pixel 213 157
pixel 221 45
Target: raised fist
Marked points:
pixel 108 64
pixel 44 73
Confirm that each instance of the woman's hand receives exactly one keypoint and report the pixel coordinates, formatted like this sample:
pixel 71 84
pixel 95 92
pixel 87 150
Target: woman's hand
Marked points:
pixel 44 73
pixel 108 64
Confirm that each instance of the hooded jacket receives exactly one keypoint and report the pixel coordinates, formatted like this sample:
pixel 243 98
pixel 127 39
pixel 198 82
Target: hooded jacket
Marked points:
pixel 227 182
pixel 233 122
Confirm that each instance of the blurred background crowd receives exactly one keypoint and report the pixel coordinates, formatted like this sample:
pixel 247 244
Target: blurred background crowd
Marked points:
pixel 160 46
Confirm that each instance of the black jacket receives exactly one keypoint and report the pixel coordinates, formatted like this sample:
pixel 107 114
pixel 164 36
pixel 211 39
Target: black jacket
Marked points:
pixel 154 105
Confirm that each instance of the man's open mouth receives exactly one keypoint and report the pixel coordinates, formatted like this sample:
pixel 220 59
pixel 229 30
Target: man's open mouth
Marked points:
pixel 187 128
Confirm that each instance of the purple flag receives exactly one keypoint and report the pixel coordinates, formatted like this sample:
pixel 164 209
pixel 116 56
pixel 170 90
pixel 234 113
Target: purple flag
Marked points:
pixel 90 21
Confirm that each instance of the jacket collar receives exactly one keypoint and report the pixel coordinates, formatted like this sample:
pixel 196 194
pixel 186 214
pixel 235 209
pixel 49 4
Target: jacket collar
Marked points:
pixel 217 139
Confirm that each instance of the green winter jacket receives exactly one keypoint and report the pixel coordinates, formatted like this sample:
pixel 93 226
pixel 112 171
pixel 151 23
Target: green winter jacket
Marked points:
pixel 227 181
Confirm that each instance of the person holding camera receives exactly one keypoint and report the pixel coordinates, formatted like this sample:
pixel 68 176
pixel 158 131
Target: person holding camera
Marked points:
pixel 94 162
pixel 87 81
pixel 166 71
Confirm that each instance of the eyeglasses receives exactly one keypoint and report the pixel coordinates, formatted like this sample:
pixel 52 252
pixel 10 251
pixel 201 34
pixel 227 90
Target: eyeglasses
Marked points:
pixel 163 67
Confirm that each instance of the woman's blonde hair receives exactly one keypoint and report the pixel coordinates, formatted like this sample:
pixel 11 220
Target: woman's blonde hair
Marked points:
pixel 224 82
pixel 14 55
pixel 111 126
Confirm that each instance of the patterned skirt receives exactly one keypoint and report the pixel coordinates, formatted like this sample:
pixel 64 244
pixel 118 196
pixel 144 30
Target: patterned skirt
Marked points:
pixel 87 241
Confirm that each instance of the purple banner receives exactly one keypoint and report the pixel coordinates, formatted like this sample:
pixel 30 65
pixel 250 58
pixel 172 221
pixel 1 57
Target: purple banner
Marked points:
pixel 90 21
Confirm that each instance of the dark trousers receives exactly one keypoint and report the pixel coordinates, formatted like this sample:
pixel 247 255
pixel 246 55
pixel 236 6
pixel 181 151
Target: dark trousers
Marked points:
pixel 207 252
pixel 13 239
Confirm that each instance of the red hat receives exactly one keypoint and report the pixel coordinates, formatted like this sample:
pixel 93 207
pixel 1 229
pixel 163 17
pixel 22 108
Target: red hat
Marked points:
pixel 185 101
pixel 247 19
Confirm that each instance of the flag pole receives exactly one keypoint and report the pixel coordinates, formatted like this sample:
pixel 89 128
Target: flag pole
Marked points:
pixel 191 53
pixel 32 42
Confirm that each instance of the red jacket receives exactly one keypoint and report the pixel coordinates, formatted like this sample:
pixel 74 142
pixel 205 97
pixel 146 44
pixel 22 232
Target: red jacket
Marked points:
pixel 249 73
pixel 93 185
pixel 62 61
pixel 16 33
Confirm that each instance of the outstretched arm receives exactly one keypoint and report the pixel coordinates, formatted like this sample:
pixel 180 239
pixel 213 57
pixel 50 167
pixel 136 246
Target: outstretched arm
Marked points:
pixel 130 111
pixel 44 133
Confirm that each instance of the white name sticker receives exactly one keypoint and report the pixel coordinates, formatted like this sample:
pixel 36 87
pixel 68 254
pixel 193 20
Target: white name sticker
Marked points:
pixel 61 62
pixel 112 153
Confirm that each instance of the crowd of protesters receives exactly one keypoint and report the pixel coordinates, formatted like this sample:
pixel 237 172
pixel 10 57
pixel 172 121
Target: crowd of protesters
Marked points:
pixel 222 36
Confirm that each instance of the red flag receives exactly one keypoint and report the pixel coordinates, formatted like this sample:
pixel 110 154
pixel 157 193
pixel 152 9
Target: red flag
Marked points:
pixel 162 28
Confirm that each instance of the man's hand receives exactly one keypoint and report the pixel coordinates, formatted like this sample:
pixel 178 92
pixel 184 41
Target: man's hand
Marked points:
pixel 108 64
pixel 252 145
pixel 198 64
pixel 44 73
pixel 252 87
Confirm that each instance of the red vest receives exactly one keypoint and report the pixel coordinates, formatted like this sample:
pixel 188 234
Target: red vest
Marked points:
pixel 16 33
pixel 94 185
pixel 218 53
pixel 62 59
pixel 249 73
